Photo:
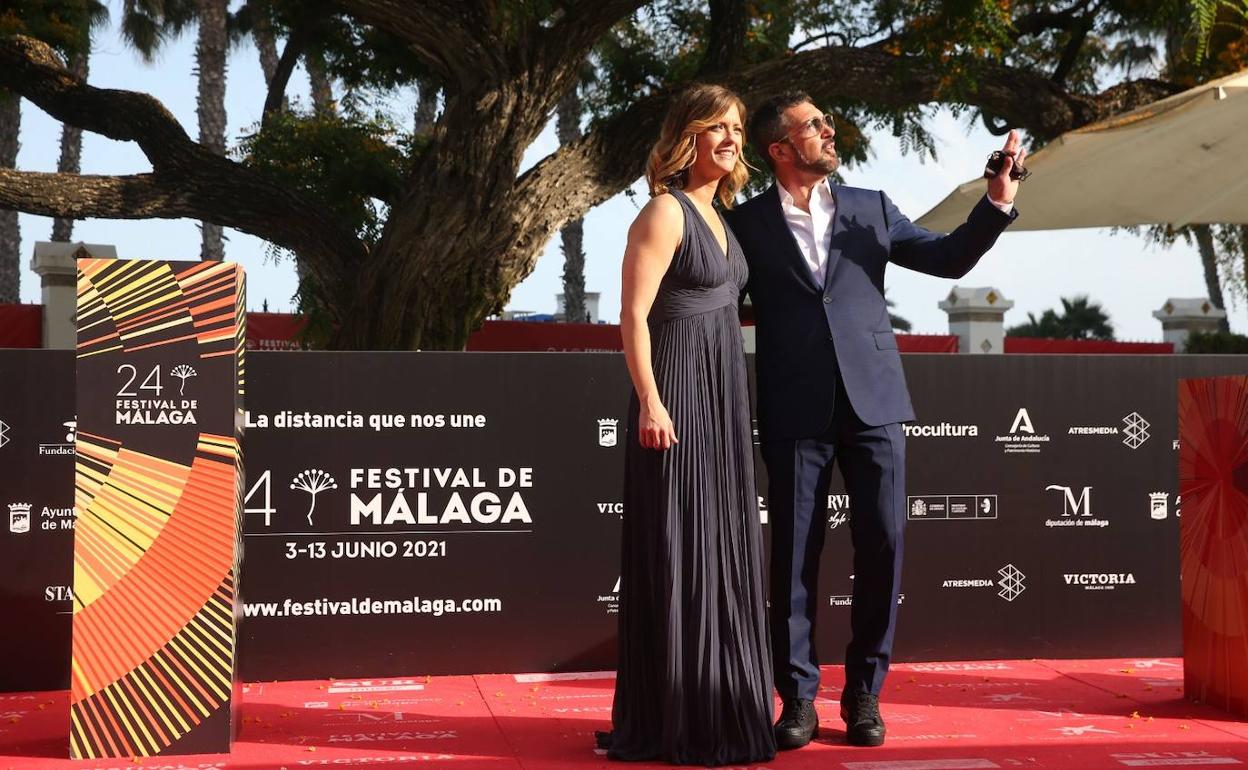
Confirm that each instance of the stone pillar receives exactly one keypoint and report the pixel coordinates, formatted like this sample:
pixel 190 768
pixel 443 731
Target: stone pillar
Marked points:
pixel 54 263
pixel 977 317
pixel 1180 317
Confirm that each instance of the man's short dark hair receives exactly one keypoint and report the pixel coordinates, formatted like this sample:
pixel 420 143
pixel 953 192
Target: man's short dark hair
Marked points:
pixel 767 122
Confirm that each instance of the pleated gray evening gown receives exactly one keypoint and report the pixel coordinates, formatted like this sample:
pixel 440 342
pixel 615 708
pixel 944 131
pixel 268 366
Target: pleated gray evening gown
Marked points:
pixel 695 682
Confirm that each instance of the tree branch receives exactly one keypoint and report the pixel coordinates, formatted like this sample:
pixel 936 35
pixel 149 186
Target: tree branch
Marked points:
pixel 1043 21
pixel 586 21
pixel 454 38
pixel 34 70
pixel 1023 98
pixel 188 180
pixel 562 48
pixel 612 155
pixel 275 100
pixel 1070 53
pixel 139 196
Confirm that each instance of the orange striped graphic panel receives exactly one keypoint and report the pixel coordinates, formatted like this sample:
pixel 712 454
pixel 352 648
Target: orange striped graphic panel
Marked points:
pixel 158 489
pixel 1213 539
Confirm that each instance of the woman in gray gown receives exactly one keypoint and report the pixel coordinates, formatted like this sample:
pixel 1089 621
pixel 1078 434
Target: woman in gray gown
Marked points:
pixel 694 683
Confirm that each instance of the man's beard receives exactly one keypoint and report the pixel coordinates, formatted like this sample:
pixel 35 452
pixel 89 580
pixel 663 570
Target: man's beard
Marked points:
pixel 820 165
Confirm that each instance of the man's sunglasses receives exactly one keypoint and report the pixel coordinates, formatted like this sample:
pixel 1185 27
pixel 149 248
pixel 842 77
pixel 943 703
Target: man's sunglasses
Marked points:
pixel 809 128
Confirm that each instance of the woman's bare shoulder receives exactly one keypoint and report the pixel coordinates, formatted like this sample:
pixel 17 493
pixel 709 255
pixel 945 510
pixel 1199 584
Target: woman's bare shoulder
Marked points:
pixel 662 215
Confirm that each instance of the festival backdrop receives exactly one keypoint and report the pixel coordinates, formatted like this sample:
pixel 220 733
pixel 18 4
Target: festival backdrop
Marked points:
pixel 429 513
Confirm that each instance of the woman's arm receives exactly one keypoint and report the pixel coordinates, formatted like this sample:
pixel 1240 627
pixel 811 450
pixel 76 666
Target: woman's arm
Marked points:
pixel 652 241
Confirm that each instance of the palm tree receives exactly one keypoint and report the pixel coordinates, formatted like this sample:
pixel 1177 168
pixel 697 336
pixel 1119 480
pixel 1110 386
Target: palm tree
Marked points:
pixel 71 136
pixel 1047 326
pixel 319 83
pixel 210 50
pixel 1203 235
pixel 1083 319
pixel 261 28
pixel 146 25
pixel 1080 319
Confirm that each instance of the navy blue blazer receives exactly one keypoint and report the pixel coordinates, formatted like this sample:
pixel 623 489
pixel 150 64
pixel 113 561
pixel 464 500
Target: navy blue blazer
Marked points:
pixel 805 332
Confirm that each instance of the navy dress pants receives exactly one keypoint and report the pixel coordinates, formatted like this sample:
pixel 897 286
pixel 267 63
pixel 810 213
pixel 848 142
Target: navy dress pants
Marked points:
pixel 872 463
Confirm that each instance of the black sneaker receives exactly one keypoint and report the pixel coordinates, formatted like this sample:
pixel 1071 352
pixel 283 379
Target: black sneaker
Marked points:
pixel 798 724
pixel 863 724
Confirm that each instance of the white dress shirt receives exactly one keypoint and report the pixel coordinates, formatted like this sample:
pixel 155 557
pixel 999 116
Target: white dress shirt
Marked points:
pixel 813 230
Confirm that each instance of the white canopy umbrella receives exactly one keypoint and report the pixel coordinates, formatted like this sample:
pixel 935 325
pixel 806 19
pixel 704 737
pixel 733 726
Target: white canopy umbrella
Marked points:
pixel 1181 160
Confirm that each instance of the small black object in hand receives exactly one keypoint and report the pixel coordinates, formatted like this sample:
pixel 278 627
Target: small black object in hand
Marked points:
pixel 996 160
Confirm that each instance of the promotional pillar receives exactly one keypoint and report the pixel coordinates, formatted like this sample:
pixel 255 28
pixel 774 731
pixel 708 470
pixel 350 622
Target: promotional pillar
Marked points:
pixel 1213 539
pixel 157 489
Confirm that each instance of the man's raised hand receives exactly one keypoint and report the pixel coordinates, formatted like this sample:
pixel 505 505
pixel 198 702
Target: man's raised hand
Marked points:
pixel 1002 188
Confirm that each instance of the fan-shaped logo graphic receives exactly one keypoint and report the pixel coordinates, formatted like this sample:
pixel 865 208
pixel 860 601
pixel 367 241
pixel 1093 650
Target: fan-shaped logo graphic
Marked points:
pixel 1011 582
pixel 182 372
pixel 313 481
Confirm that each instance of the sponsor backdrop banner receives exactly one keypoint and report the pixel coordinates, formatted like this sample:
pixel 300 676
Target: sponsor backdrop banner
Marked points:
pixel 448 513
pixel 37 432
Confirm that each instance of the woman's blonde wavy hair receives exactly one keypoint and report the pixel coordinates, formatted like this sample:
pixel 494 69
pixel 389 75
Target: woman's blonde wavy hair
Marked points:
pixel 693 111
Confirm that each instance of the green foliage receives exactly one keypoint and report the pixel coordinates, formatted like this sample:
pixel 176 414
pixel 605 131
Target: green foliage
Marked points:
pixel 65 25
pixel 1217 342
pixel 351 161
pixel 1080 319
pixel 148 24
pixel 1207 15
pixel 359 56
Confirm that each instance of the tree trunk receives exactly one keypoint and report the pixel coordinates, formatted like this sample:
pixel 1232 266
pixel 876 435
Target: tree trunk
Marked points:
pixel 568 128
pixel 210 63
pixel 10 233
pixel 322 104
pixel 71 150
pixel 266 46
pixel 318 80
pixel 1209 260
pixel 448 260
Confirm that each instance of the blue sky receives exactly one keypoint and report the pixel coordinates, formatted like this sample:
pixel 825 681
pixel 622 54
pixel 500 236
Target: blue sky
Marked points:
pixel 1129 277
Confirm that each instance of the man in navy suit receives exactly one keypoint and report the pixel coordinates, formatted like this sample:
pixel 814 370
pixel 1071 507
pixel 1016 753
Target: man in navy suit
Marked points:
pixel 831 388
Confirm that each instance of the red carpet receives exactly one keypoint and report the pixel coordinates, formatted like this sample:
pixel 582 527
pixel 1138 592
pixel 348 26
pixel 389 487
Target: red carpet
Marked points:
pixel 941 716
